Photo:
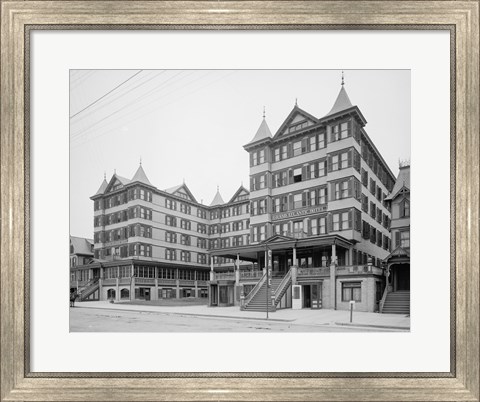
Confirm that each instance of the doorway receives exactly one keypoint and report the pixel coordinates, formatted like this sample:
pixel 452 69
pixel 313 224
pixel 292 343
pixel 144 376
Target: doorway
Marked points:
pixel 312 296
pixel 403 277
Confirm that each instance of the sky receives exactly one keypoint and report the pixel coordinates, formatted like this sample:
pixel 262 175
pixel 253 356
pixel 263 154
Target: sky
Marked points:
pixel 190 125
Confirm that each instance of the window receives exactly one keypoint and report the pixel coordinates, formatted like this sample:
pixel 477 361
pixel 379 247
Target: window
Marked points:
pixel 405 239
pixel 313 144
pixel 297 201
pixel 170 254
pixel 262 207
pixel 276 154
pixel 201 213
pixel 341 221
pixel 334 163
pixel 170 220
pixel 297 148
pixel 257 183
pixel 297 175
pixel 201 228
pixel 318 226
pixel 185 256
pixel 258 233
pixel 185 224
pixel 321 141
pixel 364 203
pixel 351 291
pixel 170 204
pixel 185 240
pixel 365 178
pixel 322 195
pixel 283 152
pixel 373 210
pixel 341 190
pixel 373 186
pixel 261 156
pixel 404 208
pixel 297 228
pixel 186 209
pixel 281 229
pixel 276 205
pixel 201 258
pixel 201 243
pixel 344 130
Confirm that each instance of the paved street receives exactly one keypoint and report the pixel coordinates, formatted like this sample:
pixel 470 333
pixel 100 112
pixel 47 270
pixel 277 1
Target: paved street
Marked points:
pixel 105 319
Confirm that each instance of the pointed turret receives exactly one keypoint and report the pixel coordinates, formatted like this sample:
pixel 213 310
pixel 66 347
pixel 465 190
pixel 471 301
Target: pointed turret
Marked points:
pixel 342 103
pixel 140 176
pixel 103 187
pixel 217 200
pixel 263 132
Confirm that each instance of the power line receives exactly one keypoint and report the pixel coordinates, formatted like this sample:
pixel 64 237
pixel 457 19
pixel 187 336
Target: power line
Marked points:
pixel 99 99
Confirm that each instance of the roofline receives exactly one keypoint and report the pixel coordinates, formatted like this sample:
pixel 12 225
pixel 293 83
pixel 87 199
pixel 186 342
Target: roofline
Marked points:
pixel 342 112
pixel 379 154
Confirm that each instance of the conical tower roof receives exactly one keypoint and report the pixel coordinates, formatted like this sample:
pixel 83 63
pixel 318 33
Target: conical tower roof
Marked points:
pixel 342 103
pixel 217 200
pixel 141 177
pixel 262 132
pixel 102 188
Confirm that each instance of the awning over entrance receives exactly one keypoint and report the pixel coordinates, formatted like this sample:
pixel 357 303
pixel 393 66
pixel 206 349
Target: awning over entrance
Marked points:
pixel 399 255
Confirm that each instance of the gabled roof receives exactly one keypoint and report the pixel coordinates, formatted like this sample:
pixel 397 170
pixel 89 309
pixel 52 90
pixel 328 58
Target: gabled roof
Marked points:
pixel 122 180
pixel 403 181
pixel 217 200
pixel 141 177
pixel 296 114
pixel 399 253
pixel 263 133
pixel 178 189
pixel 241 190
pixel 81 245
pixel 277 238
pixel 102 188
pixel 341 103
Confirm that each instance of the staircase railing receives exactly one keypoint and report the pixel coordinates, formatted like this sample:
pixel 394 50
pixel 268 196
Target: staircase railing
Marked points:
pixel 255 290
pixel 384 297
pixel 282 287
pixel 88 289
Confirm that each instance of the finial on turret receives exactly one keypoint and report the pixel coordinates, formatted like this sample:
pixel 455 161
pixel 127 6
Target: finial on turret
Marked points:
pixel 296 101
pixel 264 112
pixel 343 79
pixel 140 161
pixel 104 175
pixel 114 171
pixel 218 188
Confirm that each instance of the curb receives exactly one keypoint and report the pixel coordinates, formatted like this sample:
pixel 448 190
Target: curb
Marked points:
pixel 347 324
pixel 189 314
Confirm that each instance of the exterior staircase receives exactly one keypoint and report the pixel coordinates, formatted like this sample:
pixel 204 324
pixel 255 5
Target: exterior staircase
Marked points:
pixel 88 290
pixel 397 302
pixel 259 300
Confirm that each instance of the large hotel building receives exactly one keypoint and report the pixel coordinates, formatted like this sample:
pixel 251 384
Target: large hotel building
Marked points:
pixel 312 231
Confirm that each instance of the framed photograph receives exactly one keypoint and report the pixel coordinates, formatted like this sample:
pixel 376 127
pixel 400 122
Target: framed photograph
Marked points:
pixel 223 191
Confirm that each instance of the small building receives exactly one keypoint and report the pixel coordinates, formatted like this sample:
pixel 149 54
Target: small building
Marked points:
pixel 397 293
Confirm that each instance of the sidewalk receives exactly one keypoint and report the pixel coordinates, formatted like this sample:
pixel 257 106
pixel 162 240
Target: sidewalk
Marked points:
pixel 303 317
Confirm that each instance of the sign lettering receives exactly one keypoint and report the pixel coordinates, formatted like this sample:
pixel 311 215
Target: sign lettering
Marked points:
pixel 301 212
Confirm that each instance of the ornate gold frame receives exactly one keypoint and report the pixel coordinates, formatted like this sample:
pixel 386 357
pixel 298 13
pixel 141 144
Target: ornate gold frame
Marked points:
pixel 19 17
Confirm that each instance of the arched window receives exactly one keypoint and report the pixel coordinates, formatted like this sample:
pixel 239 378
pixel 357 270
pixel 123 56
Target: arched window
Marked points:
pixel 125 294
pixel 111 294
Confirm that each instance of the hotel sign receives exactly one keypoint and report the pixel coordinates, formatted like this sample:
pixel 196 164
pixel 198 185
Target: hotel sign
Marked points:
pixel 300 212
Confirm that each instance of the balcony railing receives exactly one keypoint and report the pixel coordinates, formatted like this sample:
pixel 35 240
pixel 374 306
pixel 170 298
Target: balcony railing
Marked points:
pixel 340 270
pixel 224 275
pixel 251 274
pixel 145 281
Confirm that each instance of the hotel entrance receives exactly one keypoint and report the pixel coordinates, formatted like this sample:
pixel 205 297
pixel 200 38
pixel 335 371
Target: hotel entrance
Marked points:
pixel 312 295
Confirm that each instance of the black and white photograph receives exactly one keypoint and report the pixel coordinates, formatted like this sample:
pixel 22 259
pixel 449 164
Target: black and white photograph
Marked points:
pixel 240 200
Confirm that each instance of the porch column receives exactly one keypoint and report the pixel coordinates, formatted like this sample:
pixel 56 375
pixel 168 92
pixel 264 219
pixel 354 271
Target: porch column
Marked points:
pixel 294 258
pixel 350 256
pixel 100 284
pixel 333 279
pixel 212 275
pixel 132 283
pixel 237 270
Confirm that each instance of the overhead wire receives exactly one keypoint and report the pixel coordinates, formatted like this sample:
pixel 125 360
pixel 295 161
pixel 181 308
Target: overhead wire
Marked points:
pixel 108 93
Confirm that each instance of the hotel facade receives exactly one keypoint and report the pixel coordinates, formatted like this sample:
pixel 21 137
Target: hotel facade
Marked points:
pixel 312 231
